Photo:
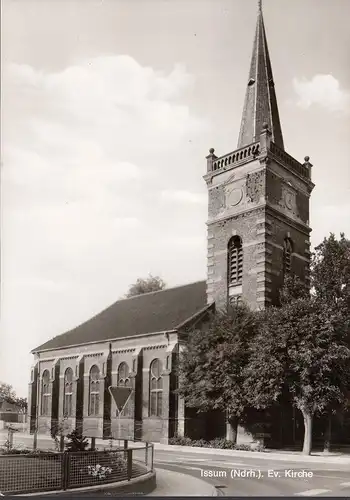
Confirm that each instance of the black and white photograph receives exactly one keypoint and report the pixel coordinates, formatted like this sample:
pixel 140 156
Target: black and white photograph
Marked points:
pixel 175 248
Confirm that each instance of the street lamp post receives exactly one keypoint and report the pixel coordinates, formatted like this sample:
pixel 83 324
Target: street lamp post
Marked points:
pixel 35 438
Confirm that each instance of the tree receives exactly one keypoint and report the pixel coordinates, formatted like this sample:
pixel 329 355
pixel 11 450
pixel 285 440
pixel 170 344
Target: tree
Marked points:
pixel 22 404
pixel 146 285
pixel 76 442
pixel 211 365
pixel 293 289
pixel 330 278
pixel 301 349
pixel 7 392
pixel 330 272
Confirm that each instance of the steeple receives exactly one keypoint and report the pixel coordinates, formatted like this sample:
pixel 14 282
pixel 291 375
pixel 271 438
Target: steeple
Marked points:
pixel 260 104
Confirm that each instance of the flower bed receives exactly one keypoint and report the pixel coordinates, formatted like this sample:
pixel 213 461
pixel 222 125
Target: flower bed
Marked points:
pixel 25 471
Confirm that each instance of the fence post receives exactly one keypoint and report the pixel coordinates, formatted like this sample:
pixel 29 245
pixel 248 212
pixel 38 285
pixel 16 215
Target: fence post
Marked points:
pixel 125 449
pixel 146 455
pixel 129 463
pixel 93 444
pixel 61 443
pixel 10 438
pixel 152 456
pixel 65 470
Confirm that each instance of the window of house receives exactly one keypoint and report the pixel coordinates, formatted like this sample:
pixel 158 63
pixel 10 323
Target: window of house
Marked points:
pixel 235 261
pixel 124 381
pixel 45 393
pixel 68 393
pixel 156 389
pixel 94 391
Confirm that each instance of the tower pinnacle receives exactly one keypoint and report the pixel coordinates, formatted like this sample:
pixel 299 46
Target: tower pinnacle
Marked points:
pixel 260 104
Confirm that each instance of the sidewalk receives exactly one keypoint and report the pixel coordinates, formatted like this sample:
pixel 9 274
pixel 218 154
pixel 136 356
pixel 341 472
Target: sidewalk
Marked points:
pixel 289 456
pixel 175 484
pixel 27 439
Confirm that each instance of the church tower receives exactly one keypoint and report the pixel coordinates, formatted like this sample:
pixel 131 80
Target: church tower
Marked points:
pixel 259 196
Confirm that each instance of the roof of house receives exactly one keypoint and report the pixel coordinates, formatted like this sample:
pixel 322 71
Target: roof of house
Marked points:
pixel 8 406
pixel 152 312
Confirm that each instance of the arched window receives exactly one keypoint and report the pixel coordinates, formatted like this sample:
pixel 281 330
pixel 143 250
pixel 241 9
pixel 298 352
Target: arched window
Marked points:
pixel 287 256
pixel 156 389
pixel 68 392
pixel 235 261
pixel 94 391
pixel 124 381
pixel 45 393
pixel 235 300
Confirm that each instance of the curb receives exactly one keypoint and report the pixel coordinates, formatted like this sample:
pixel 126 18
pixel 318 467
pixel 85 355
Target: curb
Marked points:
pixel 144 484
pixel 336 459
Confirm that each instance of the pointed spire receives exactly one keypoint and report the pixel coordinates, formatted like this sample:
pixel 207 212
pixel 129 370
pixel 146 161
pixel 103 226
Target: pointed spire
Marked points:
pixel 260 104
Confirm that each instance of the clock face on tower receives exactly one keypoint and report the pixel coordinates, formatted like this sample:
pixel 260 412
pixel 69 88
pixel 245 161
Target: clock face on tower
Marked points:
pixel 289 200
pixel 234 197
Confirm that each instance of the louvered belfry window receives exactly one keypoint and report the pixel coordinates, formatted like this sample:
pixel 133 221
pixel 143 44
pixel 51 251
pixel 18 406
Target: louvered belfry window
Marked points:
pixel 235 261
pixel 287 256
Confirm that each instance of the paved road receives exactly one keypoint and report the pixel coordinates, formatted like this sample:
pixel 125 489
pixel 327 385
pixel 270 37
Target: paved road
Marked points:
pixel 253 477
pixel 242 476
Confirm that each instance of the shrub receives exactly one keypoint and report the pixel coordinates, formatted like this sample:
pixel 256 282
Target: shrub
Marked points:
pixel 21 451
pixel 76 442
pixel 218 443
pixel 181 441
pixel 117 461
pixel 99 471
pixel 222 443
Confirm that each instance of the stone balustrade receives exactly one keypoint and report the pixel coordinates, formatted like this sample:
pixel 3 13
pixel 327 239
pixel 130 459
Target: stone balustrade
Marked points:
pixel 240 155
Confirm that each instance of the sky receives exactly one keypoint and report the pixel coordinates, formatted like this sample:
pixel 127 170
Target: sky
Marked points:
pixel 108 110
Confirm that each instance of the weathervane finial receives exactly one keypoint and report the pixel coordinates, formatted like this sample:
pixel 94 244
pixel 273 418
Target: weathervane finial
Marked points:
pixel 260 5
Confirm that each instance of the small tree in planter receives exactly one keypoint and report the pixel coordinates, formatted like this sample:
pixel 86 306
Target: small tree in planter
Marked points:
pixel 76 442
pixel 58 432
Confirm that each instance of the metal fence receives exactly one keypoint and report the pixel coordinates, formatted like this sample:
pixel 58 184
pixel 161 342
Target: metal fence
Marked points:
pixel 43 471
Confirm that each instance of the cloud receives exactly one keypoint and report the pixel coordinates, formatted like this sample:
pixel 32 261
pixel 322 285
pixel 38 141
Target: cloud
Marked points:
pixel 324 91
pixel 79 143
pixel 86 151
pixel 181 196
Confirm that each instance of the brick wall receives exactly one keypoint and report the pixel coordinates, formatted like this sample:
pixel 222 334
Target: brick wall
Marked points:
pixel 138 354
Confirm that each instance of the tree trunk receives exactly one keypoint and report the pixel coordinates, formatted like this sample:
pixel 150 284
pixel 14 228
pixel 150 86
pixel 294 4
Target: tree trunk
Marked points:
pixel 328 435
pixel 231 429
pixel 308 417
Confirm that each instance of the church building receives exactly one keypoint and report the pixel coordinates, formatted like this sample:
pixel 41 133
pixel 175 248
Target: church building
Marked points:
pixel 257 230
